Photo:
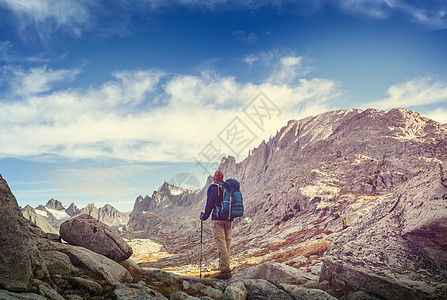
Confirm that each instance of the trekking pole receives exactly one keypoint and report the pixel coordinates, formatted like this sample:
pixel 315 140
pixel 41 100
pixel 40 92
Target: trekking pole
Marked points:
pixel 201 239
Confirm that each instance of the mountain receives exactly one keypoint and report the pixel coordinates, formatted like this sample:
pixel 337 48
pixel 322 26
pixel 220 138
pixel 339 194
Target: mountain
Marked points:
pixel 54 204
pixel 168 199
pixel 50 216
pixel 90 209
pixel 112 217
pixel 72 210
pixel 53 212
pixel 38 218
pixel 360 194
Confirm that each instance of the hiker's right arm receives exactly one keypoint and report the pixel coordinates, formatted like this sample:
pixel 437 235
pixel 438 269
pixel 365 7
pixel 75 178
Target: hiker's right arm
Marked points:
pixel 210 203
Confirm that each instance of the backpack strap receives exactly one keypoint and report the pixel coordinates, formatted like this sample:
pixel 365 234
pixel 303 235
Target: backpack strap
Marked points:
pixel 219 187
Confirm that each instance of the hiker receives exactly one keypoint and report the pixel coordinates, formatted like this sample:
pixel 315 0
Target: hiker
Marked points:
pixel 222 226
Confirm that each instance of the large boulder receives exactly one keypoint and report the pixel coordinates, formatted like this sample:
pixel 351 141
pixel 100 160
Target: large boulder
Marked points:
pixel 104 268
pixel 92 234
pixel 278 273
pixel 7 295
pixel 399 250
pixel 58 263
pixel 263 289
pixel 302 293
pixel 235 291
pixel 19 257
pixel 93 287
pixel 136 291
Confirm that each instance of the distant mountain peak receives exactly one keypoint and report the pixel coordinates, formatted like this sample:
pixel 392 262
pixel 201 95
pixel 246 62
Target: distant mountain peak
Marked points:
pixel 54 204
pixel 72 210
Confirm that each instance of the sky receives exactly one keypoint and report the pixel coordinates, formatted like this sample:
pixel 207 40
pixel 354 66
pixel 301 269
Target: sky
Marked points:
pixel 102 101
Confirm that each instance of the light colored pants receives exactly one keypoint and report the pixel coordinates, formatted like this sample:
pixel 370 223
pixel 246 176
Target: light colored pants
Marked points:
pixel 222 231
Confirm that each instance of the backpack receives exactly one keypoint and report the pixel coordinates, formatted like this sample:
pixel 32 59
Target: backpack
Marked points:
pixel 232 204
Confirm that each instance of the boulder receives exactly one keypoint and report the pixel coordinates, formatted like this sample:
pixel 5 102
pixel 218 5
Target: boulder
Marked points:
pixel 134 269
pixel 235 291
pixel 98 264
pixel 399 249
pixel 167 282
pixel 263 289
pixel 19 257
pixel 278 273
pixel 92 234
pixel 182 296
pixel 136 291
pixel 52 236
pixel 48 292
pixel 7 295
pixel 58 263
pixel 302 293
pixel 362 295
pixel 89 285
pixel 200 289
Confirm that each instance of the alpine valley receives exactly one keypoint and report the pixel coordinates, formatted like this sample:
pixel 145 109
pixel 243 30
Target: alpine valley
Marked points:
pixel 349 204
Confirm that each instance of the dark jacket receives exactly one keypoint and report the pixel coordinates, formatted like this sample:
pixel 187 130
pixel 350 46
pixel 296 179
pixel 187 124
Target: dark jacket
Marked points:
pixel 214 198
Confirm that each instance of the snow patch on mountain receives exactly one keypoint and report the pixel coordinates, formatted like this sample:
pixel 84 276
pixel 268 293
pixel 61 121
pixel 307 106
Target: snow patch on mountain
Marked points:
pixel 176 192
pixel 41 212
pixel 58 214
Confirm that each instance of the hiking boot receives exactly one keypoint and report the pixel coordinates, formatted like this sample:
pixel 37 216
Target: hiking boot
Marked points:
pixel 224 275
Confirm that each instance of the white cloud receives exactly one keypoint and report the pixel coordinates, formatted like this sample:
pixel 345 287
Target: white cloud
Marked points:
pixel 129 88
pixel 48 15
pixel 209 90
pixel 8 55
pixel 138 83
pixel 250 59
pixel 431 14
pixel 5 48
pixel 107 181
pixel 439 114
pixel 270 58
pixel 287 70
pixel 37 80
pixel 419 91
pixel 286 65
pixel 373 8
pixel 142 115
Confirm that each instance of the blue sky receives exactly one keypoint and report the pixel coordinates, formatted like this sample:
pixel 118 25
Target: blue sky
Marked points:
pixel 101 101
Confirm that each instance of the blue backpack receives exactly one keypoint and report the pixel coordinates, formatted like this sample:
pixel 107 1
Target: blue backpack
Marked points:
pixel 232 204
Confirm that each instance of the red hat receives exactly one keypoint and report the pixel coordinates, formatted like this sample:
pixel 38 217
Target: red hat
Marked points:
pixel 218 176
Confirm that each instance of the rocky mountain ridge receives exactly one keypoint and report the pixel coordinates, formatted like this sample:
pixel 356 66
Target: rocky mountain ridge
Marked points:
pixel 51 215
pixel 166 199
pixel 310 190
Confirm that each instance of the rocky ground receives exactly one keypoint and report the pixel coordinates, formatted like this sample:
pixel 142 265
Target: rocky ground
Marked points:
pixel 349 204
